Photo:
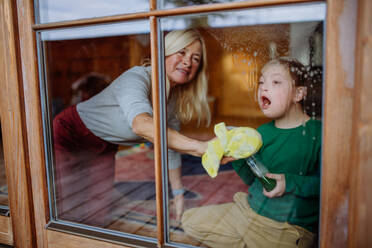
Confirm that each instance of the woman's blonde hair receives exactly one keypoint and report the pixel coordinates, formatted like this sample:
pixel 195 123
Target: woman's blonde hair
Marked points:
pixel 191 98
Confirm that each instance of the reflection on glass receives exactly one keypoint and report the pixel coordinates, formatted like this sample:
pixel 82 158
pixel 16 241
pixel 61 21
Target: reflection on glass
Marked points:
pixel 67 10
pixel 237 50
pixel 168 4
pixel 4 203
pixel 103 172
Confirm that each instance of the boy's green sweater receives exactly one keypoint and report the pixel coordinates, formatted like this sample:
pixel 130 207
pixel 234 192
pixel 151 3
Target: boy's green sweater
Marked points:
pixel 295 153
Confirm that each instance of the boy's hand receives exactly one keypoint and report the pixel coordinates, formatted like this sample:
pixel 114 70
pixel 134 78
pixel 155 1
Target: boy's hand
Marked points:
pixel 279 188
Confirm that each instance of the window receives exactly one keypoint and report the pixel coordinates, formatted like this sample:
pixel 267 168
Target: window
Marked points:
pixel 238 45
pixel 79 64
pixel 114 198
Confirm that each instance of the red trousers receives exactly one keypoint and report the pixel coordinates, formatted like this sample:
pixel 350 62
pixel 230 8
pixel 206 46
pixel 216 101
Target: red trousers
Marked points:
pixel 84 171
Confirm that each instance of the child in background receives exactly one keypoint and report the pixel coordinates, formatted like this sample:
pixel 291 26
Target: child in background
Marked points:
pixel 288 215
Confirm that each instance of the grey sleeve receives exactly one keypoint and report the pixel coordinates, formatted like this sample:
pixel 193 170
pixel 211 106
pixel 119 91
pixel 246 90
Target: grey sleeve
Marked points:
pixel 132 90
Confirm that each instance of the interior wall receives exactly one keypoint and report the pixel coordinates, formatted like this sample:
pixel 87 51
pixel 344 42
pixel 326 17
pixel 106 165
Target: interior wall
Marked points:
pixel 69 60
pixel 237 55
pixel 235 58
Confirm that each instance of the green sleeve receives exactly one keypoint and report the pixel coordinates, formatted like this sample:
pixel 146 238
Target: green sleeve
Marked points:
pixel 243 170
pixel 305 186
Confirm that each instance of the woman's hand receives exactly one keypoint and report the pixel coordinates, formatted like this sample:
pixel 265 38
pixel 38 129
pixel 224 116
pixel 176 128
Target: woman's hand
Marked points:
pixel 201 147
pixel 279 188
pixel 226 160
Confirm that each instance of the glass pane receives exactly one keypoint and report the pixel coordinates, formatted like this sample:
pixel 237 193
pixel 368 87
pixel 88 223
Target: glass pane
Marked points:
pixel 103 172
pixel 239 45
pixel 4 203
pixel 68 10
pixel 169 4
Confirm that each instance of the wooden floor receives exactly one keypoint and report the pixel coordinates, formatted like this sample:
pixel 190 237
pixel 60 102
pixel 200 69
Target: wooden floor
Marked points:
pixel 130 209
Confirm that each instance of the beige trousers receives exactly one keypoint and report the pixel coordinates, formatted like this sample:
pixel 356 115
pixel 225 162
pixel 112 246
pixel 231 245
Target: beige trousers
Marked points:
pixel 237 225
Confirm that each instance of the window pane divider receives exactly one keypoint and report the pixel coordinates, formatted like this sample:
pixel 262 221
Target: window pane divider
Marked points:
pixel 167 12
pixel 153 4
pixel 160 130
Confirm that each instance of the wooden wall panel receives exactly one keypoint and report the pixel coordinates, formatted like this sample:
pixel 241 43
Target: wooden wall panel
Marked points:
pixel 33 127
pixel 337 125
pixel 13 129
pixel 360 214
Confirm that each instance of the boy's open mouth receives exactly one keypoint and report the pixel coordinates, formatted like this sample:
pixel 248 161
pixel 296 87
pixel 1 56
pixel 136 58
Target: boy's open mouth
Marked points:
pixel 265 101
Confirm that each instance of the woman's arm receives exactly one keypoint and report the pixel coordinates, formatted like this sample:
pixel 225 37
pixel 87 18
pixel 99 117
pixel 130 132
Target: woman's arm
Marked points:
pixel 143 125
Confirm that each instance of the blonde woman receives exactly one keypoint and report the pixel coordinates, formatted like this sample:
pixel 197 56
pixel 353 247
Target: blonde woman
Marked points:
pixel 87 134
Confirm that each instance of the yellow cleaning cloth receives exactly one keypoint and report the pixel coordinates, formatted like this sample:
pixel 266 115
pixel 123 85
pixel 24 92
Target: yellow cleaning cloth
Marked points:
pixel 239 142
